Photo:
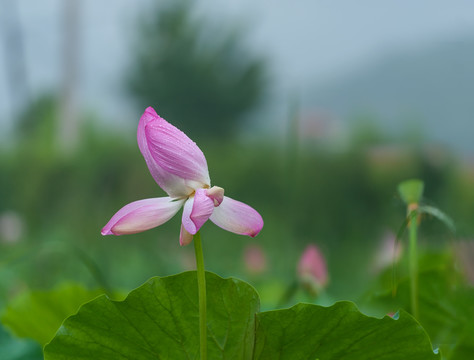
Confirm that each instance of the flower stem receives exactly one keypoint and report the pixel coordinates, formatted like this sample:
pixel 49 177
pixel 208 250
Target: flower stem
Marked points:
pixel 413 262
pixel 201 278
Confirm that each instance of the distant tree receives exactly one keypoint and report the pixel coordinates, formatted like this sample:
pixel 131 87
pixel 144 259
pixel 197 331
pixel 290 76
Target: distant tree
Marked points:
pixel 199 77
pixel 37 124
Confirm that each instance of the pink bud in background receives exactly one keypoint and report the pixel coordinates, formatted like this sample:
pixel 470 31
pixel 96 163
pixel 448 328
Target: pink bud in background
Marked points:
pixel 312 270
pixel 254 259
pixel 464 254
pixel 12 227
pixel 389 252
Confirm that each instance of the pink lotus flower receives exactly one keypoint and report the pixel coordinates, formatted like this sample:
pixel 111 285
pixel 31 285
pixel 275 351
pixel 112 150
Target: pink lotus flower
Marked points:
pixel 180 169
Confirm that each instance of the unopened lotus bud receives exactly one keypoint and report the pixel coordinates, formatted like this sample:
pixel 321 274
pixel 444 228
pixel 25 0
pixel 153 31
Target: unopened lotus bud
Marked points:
pixel 255 259
pixel 312 270
pixel 389 252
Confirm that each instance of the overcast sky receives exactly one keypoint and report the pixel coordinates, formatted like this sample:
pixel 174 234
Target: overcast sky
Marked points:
pixel 306 41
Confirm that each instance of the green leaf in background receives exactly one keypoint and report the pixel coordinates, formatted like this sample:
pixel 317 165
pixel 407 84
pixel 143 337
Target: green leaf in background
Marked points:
pixel 464 349
pixel 446 309
pixel 446 302
pixel 39 314
pixel 338 332
pixel 12 348
pixel 159 320
pixel 441 216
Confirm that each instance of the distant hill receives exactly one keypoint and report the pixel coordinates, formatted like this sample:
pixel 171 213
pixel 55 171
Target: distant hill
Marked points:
pixel 431 86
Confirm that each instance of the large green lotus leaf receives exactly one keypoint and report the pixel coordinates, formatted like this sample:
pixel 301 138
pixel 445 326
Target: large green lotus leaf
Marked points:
pixel 160 320
pixel 338 332
pixel 39 314
pixel 12 348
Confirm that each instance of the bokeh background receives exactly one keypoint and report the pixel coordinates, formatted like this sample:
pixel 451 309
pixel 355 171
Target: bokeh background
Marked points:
pixel 311 112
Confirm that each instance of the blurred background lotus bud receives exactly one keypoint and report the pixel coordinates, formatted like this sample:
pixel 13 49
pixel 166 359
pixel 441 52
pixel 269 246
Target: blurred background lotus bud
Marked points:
pixel 254 259
pixel 388 252
pixel 312 270
pixel 464 253
pixel 11 227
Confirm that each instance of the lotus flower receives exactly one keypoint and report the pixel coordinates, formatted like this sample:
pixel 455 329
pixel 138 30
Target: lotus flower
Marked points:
pixel 180 169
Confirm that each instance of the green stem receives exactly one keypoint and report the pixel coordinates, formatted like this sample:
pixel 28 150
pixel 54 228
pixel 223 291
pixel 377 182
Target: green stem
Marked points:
pixel 413 263
pixel 201 278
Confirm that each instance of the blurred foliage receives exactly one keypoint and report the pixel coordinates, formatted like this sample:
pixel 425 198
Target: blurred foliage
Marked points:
pixel 39 314
pixel 465 346
pixel 12 348
pixel 37 125
pixel 204 78
pixel 446 302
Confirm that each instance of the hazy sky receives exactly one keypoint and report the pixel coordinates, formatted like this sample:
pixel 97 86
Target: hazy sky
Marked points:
pixel 306 41
pixel 310 40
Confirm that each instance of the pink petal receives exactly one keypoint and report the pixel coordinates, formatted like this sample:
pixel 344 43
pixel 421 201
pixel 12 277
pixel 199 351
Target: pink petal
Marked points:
pixel 216 193
pixel 197 211
pixel 176 153
pixel 174 185
pixel 142 215
pixel 186 218
pixel 202 208
pixel 184 237
pixel 237 217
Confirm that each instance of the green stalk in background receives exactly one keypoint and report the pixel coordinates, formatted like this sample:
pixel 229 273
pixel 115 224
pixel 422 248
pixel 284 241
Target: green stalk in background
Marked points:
pixel 411 192
pixel 201 278
pixel 413 216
